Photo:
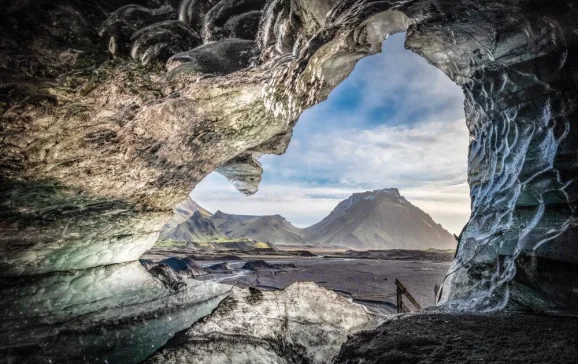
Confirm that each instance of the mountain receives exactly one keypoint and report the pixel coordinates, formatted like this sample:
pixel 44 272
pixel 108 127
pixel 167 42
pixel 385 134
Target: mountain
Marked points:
pixel 186 208
pixel 274 229
pixel 197 228
pixel 190 224
pixel 381 219
pixel 193 225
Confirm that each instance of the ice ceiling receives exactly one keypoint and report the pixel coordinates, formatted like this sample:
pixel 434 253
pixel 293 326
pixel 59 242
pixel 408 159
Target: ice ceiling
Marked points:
pixel 112 112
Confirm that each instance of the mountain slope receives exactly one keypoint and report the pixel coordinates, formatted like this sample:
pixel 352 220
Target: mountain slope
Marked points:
pixel 381 219
pixel 197 228
pixel 274 229
pixel 190 224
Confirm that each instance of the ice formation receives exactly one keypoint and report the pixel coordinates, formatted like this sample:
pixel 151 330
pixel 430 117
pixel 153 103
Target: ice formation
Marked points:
pixel 97 147
pixel 302 323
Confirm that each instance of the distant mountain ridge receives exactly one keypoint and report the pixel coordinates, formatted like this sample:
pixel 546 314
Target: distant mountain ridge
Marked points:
pixel 380 219
pixel 190 223
pixel 273 228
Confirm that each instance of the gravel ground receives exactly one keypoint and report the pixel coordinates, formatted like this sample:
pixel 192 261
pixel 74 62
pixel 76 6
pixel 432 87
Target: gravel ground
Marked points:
pixel 446 338
pixel 355 276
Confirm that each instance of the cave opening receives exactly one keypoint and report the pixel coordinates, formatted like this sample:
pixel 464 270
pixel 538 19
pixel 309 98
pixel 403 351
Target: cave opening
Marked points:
pixel 99 143
pixel 394 133
pixel 395 121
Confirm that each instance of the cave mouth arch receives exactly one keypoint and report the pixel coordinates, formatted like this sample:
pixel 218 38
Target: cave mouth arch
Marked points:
pixel 392 94
pixel 516 151
pixel 395 122
pixel 507 237
pixel 89 174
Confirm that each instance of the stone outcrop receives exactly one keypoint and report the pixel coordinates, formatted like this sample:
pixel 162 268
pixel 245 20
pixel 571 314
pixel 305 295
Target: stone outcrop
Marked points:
pixel 183 266
pixel 97 147
pixel 302 323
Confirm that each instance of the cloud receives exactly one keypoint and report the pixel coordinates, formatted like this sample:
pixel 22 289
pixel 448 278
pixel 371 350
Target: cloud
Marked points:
pixel 395 122
pixel 395 156
pixel 392 88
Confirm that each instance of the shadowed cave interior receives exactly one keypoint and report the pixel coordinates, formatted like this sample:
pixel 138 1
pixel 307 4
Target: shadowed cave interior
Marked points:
pixel 112 112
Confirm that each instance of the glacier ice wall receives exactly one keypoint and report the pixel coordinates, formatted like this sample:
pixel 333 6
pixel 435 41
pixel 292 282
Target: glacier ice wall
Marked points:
pixel 112 112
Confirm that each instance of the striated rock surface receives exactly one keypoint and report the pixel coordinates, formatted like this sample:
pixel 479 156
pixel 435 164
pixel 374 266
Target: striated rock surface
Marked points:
pixel 97 147
pixel 302 323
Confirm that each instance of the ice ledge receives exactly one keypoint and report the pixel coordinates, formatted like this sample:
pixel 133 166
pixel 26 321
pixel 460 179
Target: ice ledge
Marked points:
pixel 303 323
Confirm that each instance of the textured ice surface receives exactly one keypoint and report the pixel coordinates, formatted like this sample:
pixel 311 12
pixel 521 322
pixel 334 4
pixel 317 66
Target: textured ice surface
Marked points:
pixel 96 153
pixel 159 41
pixel 47 227
pixel 303 323
pixel 520 174
pixel 118 313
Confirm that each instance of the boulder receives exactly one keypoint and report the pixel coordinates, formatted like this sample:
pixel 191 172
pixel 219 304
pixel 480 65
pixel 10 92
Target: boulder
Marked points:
pixel 257 265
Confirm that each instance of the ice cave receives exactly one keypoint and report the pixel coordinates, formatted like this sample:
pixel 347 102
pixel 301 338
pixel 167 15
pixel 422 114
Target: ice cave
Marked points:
pixel 112 111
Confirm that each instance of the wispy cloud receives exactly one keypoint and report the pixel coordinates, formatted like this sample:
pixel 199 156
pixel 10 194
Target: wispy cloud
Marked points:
pixel 395 122
pixel 404 155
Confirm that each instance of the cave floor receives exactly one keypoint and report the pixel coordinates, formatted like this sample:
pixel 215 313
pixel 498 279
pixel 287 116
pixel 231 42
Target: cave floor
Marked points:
pixel 456 338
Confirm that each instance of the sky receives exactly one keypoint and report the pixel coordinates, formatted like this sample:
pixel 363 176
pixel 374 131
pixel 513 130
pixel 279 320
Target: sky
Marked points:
pixel 396 121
